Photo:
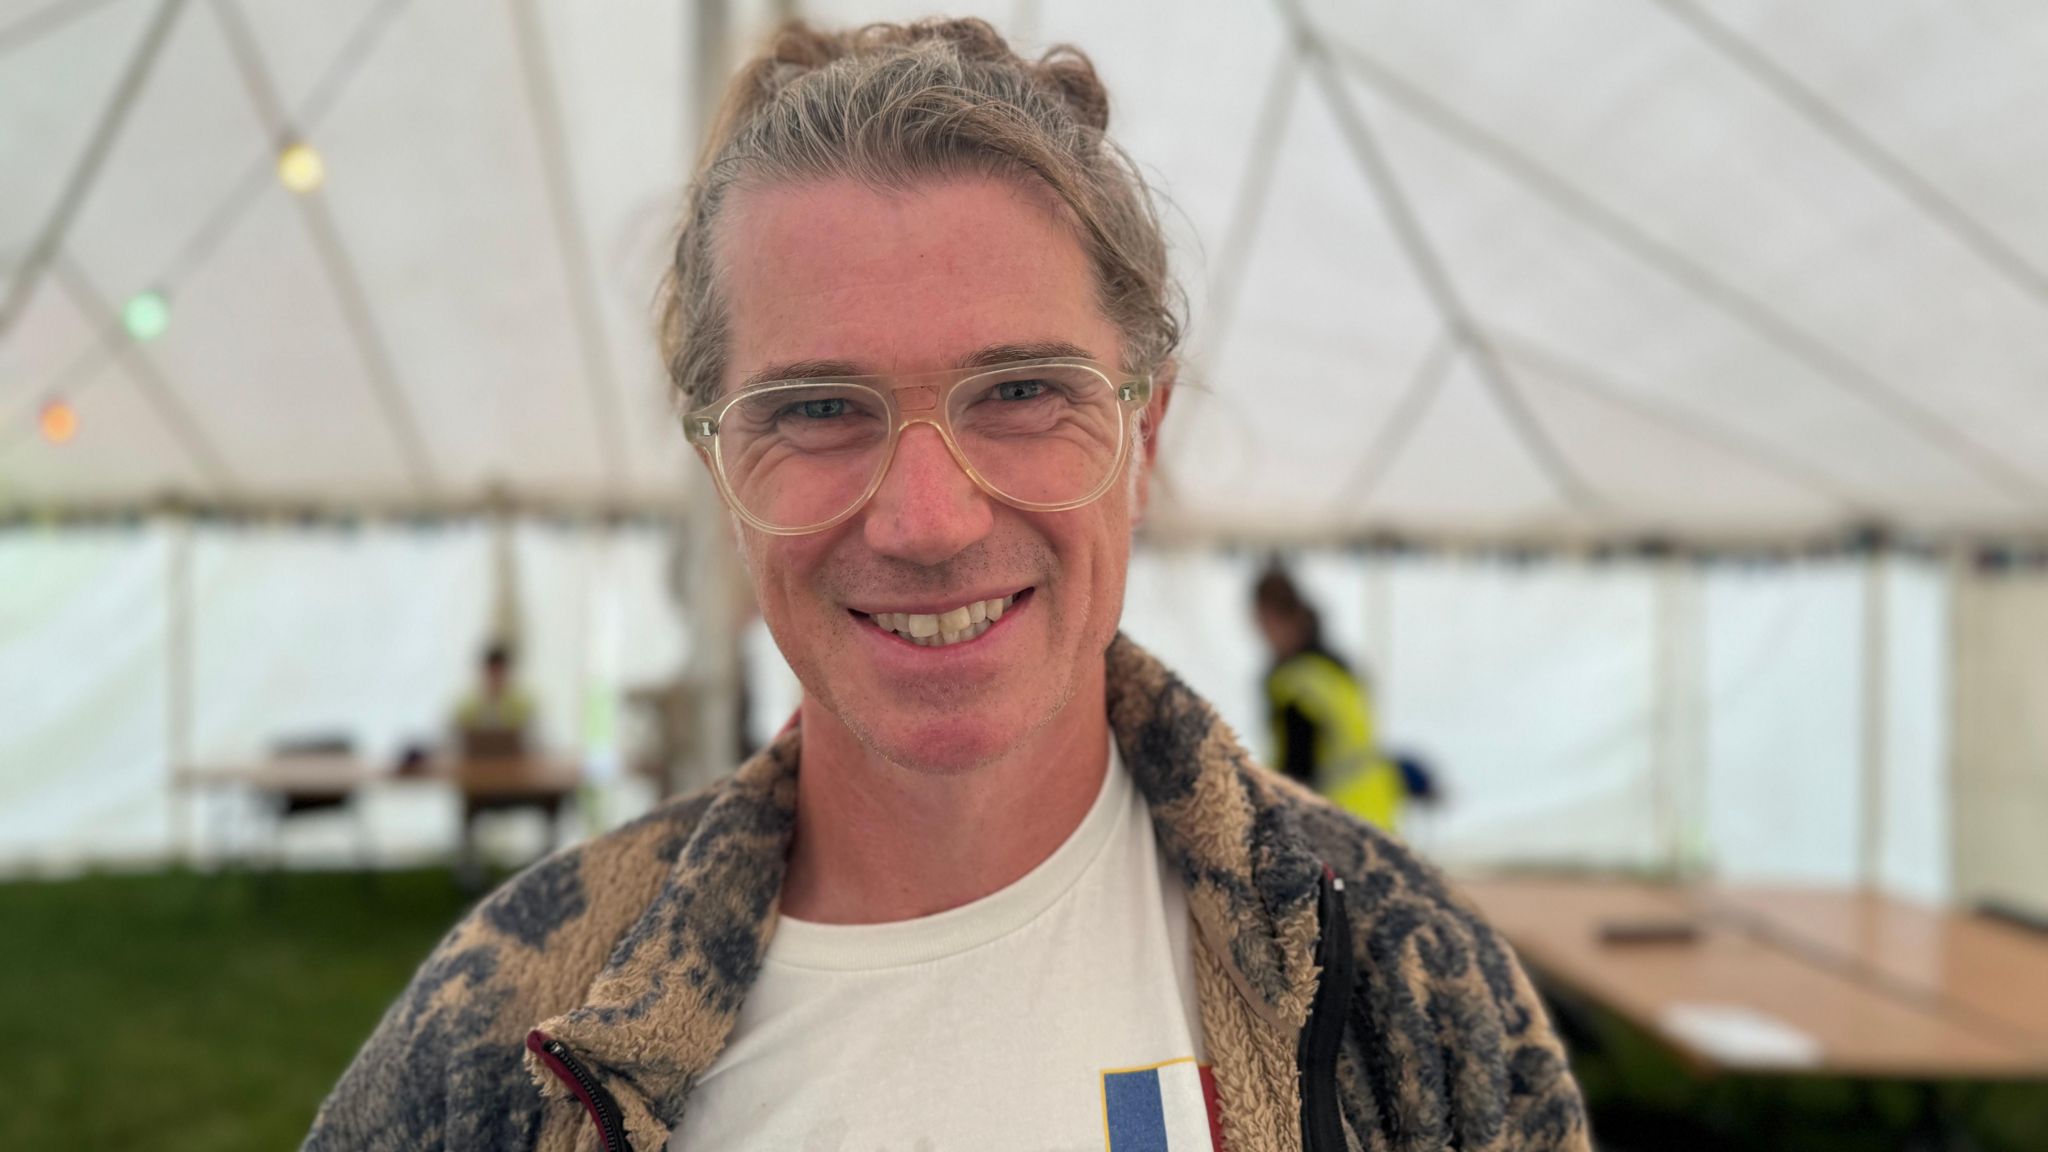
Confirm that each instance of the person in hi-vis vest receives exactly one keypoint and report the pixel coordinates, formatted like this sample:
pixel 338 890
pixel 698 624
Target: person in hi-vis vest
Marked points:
pixel 1320 712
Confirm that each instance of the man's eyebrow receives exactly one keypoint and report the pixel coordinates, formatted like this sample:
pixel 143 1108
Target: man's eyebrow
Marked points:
pixel 995 354
pixel 989 356
pixel 803 370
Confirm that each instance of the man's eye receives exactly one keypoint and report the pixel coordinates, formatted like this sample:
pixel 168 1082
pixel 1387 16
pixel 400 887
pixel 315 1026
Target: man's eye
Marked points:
pixel 819 409
pixel 1019 389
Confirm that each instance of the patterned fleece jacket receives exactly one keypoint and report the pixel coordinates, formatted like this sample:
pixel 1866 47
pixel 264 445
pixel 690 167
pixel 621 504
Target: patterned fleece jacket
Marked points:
pixel 1349 1000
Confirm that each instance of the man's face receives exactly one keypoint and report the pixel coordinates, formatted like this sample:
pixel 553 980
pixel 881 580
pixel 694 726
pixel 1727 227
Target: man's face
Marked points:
pixel 903 283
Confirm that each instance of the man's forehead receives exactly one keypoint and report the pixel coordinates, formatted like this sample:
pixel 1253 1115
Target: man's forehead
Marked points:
pixel 838 278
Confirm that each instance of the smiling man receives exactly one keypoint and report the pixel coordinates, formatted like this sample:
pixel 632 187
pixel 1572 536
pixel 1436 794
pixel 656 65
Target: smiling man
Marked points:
pixel 1007 884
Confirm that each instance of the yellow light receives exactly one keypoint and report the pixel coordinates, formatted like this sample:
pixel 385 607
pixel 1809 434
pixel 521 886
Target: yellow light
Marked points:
pixel 59 422
pixel 300 168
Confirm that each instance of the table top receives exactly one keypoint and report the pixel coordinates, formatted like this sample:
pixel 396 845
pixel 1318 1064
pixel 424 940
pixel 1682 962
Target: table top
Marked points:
pixel 1978 967
pixel 338 775
pixel 1790 1004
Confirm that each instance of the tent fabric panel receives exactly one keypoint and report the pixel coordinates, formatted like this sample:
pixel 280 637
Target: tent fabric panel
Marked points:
pixel 597 618
pixel 191 136
pixel 83 669
pixel 625 96
pixel 1783 781
pixel 1917 843
pixel 1965 118
pixel 1528 691
pixel 54 89
pixel 447 223
pixel 2000 762
pixel 293 414
pixel 369 632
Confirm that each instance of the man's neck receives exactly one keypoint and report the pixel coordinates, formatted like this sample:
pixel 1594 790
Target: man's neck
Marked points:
pixel 877 842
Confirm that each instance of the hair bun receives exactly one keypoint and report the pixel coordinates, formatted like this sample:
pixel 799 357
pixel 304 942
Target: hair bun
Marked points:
pixel 1069 70
pixel 798 48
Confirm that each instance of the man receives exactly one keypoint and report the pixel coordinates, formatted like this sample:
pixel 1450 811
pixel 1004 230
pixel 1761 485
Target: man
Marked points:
pixel 1321 714
pixel 1007 884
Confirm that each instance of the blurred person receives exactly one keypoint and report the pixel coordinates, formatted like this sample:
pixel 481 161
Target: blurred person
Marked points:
pixel 1007 883
pixel 497 709
pixel 1319 711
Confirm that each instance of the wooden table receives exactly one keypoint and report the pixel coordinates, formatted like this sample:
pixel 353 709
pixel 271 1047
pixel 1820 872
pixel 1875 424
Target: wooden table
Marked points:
pixel 511 782
pixel 1880 989
pixel 300 782
pixel 1972 967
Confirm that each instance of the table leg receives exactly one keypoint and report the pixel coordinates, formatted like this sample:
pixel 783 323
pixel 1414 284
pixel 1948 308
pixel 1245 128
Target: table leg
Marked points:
pixel 469 869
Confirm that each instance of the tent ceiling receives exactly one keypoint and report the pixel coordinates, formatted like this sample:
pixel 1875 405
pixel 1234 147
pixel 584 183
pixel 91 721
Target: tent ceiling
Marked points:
pixel 1710 271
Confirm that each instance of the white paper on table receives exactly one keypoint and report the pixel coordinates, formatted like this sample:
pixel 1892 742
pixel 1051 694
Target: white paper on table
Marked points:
pixel 1738 1034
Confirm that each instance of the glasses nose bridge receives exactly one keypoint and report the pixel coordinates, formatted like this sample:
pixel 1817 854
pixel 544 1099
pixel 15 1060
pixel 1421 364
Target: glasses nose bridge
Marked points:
pixel 919 398
pixel 924 402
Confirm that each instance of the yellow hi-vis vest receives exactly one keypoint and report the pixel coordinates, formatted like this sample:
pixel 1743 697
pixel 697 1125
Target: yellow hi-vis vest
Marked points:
pixel 1348 767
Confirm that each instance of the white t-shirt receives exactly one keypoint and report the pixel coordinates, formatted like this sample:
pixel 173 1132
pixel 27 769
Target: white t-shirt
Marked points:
pixel 1058 1013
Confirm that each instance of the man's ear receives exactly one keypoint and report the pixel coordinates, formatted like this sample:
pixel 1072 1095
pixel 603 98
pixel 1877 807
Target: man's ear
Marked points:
pixel 1155 409
pixel 1152 418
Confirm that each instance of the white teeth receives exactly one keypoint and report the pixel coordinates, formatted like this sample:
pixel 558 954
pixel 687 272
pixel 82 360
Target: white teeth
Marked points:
pixel 935 630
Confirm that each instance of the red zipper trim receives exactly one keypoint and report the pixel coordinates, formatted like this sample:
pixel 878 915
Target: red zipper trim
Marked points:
pixel 614 1139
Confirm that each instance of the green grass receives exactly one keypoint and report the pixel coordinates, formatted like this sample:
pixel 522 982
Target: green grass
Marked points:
pixel 181 1011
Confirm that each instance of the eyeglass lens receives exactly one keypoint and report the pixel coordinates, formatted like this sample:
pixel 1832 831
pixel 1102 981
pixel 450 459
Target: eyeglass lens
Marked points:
pixel 802 454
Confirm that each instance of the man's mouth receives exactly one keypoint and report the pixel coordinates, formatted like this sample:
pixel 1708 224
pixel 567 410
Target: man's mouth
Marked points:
pixel 953 626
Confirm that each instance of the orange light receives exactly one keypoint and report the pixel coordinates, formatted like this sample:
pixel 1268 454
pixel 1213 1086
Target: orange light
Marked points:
pixel 59 422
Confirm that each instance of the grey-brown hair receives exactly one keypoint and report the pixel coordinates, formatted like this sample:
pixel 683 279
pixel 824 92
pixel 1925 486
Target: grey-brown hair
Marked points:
pixel 891 105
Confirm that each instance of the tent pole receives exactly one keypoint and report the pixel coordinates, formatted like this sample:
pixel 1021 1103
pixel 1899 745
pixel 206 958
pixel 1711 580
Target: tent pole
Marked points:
pixel 707 65
pixel 1379 628
pixel 1663 770
pixel 1876 687
pixel 178 620
pixel 1677 724
pixel 1957 600
pixel 714 580
pixel 714 641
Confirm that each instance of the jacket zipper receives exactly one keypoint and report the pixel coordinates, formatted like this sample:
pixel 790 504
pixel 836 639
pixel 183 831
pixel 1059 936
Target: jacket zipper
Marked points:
pixel 597 1100
pixel 1322 1118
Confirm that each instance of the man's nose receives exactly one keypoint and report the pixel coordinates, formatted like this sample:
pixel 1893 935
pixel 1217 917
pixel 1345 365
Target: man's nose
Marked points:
pixel 928 509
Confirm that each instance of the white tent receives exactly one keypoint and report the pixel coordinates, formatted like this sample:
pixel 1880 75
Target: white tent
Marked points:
pixel 1718 274
pixel 1737 270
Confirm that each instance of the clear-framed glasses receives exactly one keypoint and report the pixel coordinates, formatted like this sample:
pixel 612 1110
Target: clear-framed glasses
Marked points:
pixel 799 456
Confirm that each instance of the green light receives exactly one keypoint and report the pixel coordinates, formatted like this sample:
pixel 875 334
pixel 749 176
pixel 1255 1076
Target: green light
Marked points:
pixel 146 316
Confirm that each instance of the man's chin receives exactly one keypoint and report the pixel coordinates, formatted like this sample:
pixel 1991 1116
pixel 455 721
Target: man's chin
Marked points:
pixel 943 745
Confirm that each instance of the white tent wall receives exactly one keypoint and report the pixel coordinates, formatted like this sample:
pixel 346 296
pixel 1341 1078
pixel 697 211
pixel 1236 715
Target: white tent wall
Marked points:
pixel 371 632
pixel 1529 687
pixel 83 696
pixel 1916 830
pixel 599 618
pixel 2001 736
